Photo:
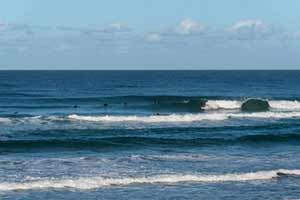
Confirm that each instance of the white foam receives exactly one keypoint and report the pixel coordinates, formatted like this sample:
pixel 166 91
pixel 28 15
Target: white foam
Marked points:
pixel 285 105
pixel 4 120
pixel 186 118
pixel 99 182
pixel 152 119
pixel 279 113
pixel 282 105
pixel 222 104
pixel 267 115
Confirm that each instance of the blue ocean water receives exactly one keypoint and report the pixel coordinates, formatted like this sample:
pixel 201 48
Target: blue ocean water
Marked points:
pixel 149 135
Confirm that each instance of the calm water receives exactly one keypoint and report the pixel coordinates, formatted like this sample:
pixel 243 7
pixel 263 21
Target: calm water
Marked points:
pixel 149 135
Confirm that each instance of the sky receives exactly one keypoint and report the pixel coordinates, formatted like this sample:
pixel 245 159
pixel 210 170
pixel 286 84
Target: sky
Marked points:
pixel 149 34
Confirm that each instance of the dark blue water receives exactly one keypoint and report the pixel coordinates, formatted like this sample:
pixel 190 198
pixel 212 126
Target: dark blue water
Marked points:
pixel 149 135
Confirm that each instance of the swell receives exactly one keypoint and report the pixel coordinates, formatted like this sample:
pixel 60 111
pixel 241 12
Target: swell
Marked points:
pixel 161 98
pixel 138 142
pixel 95 182
pixel 159 119
pixel 33 107
pixel 152 103
pixel 160 131
pixel 156 103
pixel 52 100
pixel 21 94
pixel 225 132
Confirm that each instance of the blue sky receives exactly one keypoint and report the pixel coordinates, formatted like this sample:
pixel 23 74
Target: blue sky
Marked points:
pixel 149 34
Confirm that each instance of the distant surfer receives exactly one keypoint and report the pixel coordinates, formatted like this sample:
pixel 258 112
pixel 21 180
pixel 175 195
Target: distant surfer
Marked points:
pixel 105 105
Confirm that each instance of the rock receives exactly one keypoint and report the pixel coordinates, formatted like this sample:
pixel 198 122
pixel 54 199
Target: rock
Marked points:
pixel 255 105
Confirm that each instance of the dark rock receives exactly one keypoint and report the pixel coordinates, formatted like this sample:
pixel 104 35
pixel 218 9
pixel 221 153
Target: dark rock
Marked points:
pixel 255 105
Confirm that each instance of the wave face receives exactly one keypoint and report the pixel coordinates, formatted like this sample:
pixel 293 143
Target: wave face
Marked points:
pixel 98 182
pixel 215 118
pixel 101 143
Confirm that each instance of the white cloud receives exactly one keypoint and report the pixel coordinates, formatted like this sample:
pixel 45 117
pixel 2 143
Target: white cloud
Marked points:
pixel 111 28
pixel 119 27
pixel 251 29
pixel 249 24
pixel 189 26
pixel 179 32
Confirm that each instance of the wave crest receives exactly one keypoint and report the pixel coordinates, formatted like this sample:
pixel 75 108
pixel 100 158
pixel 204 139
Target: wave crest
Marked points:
pixel 100 182
pixel 285 105
pixel 187 117
pixel 282 105
pixel 222 104
pixel 152 118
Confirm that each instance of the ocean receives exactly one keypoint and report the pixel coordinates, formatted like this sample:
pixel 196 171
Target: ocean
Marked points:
pixel 150 135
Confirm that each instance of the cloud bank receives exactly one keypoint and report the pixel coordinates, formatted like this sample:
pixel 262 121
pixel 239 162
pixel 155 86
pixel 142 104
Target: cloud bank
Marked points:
pixel 188 42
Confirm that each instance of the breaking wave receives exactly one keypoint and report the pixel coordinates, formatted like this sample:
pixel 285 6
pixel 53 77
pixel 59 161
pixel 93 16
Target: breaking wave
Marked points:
pixel 283 105
pixel 151 119
pixel 222 104
pixel 100 182
pixel 186 118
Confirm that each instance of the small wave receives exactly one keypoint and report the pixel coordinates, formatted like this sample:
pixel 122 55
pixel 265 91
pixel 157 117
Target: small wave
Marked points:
pixel 179 157
pixel 191 106
pixel 156 98
pixel 151 119
pixel 36 106
pixel 137 142
pixel 4 120
pixel 285 105
pixel 267 115
pixel 186 118
pixel 100 182
pixel 222 104
pixel 19 94
pixel 171 104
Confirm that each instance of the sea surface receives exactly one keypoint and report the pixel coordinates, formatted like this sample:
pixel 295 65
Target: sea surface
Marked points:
pixel 149 135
